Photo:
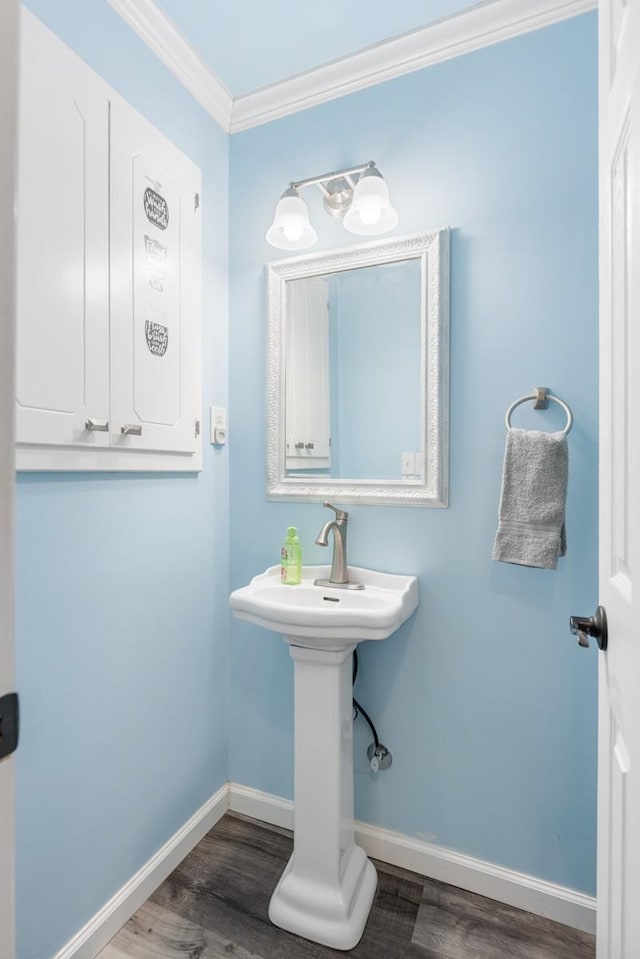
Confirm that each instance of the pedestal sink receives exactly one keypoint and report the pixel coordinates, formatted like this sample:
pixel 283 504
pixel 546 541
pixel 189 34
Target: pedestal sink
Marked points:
pixel 326 890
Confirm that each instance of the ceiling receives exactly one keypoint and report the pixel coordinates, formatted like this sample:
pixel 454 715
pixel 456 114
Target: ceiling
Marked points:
pixel 251 43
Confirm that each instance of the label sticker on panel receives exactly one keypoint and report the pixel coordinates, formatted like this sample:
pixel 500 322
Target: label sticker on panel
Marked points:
pixel 157 337
pixel 156 262
pixel 156 208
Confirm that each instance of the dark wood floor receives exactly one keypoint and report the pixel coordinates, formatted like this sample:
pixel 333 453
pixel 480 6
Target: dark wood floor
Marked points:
pixel 214 905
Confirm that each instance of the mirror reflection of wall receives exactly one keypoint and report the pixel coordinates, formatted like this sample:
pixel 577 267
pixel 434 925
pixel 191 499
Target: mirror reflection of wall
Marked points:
pixel 354 370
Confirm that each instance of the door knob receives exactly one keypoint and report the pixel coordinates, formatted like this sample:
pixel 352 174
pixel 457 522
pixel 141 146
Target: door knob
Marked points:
pixel 595 626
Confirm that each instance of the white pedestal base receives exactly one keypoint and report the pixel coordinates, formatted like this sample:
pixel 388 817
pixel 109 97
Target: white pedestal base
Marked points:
pixel 327 888
pixel 332 915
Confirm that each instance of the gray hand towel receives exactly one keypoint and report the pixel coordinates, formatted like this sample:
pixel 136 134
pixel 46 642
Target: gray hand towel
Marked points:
pixel 531 528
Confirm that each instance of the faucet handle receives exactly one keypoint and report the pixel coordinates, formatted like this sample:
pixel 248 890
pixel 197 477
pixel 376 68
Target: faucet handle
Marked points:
pixel 340 513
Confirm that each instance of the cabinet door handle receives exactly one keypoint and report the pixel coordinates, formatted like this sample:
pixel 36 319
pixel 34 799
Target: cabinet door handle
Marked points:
pixel 130 429
pixel 97 426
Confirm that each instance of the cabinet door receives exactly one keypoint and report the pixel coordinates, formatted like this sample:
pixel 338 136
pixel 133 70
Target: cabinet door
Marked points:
pixel 155 289
pixel 62 370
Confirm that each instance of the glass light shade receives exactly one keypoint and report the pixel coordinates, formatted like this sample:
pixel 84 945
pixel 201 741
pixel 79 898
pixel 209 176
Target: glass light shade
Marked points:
pixel 370 212
pixel 291 229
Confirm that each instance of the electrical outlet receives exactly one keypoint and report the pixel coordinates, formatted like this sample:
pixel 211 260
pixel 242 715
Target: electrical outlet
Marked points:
pixel 408 464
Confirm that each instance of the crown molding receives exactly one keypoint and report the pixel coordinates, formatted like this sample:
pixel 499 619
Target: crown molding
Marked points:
pixel 168 44
pixel 489 23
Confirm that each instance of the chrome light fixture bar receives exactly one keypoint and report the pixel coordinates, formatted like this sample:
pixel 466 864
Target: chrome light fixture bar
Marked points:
pixel 359 194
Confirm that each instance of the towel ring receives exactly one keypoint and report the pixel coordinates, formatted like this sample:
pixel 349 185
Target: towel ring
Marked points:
pixel 540 397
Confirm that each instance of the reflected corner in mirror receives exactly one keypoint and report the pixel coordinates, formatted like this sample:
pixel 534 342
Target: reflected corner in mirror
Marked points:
pixel 358 374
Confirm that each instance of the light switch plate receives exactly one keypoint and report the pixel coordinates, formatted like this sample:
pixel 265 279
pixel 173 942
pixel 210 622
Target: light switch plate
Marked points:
pixel 218 425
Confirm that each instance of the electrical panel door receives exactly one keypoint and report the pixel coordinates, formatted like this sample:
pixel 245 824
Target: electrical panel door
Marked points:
pixel 62 369
pixel 109 274
pixel 155 288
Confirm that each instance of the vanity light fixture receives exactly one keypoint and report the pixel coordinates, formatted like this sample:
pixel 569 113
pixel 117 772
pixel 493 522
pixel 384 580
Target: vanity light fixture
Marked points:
pixel 359 194
pixel 291 229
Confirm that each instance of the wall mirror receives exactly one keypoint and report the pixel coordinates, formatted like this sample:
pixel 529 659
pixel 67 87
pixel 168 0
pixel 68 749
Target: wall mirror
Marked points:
pixel 357 377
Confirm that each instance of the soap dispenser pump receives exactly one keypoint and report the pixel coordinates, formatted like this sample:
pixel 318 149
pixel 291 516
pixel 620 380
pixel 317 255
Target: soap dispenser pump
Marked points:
pixel 291 559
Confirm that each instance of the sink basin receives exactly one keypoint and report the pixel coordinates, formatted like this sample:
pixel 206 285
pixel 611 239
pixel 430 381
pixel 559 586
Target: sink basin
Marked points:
pixel 327 615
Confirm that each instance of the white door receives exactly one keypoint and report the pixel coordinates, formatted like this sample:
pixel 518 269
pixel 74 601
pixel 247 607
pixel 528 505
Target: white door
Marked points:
pixel 619 697
pixel 8 111
pixel 62 372
pixel 155 288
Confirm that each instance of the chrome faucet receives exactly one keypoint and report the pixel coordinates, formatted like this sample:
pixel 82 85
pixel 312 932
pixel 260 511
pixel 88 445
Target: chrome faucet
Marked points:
pixel 339 575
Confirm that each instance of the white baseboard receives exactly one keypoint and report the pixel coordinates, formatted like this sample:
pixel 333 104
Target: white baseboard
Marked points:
pixel 475 875
pixel 505 885
pixel 88 942
pixel 261 805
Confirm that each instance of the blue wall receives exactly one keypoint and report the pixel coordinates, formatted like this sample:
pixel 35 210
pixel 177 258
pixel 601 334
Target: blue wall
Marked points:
pixel 122 583
pixel 250 58
pixel 485 700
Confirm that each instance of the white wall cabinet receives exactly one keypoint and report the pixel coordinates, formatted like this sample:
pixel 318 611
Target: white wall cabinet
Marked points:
pixel 109 276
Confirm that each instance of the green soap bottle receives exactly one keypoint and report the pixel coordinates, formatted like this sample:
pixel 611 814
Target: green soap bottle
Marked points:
pixel 291 559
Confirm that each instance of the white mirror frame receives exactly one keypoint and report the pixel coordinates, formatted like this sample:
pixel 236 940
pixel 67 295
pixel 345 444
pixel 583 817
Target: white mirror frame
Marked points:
pixel 433 251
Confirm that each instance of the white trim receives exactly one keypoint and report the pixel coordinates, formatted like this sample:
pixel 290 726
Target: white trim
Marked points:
pixel 168 44
pixel 504 885
pixel 475 875
pixel 482 26
pixel 108 920
pixel 489 23
pixel 84 459
pixel 517 889
pixel 9 70
pixel 261 805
